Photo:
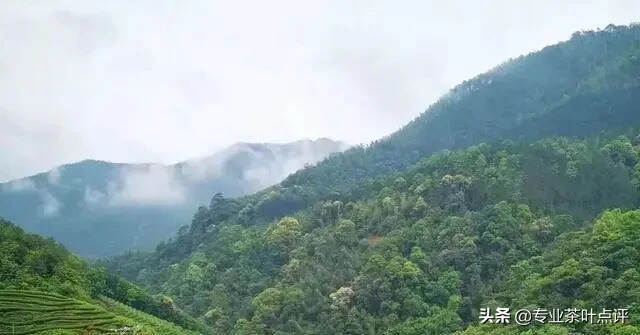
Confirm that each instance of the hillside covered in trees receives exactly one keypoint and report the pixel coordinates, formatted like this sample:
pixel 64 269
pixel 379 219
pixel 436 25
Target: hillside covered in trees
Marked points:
pixel 575 88
pixel 44 288
pixel 534 207
pixel 503 225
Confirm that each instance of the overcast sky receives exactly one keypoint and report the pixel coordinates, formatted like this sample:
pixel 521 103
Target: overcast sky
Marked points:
pixel 164 81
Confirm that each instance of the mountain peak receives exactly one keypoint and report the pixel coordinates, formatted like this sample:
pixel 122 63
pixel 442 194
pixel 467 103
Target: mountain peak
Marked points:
pixel 151 199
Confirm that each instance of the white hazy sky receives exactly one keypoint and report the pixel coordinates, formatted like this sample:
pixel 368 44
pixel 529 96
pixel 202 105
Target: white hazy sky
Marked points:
pixel 169 80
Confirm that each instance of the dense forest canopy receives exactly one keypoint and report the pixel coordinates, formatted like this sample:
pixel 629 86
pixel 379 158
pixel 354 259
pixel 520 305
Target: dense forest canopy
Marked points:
pixel 511 224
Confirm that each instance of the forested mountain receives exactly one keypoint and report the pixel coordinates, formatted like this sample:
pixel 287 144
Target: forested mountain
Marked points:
pixel 406 237
pixel 46 290
pixel 577 87
pixel 99 208
pixel 514 225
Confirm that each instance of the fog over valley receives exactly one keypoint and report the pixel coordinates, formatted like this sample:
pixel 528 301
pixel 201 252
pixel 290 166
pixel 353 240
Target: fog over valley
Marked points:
pixel 154 197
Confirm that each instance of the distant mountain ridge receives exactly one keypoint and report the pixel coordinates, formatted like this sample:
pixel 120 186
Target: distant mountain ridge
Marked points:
pixel 98 208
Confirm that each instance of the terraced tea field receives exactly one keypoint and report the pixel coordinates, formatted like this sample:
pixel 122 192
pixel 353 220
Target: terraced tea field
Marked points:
pixel 34 312
pixel 150 324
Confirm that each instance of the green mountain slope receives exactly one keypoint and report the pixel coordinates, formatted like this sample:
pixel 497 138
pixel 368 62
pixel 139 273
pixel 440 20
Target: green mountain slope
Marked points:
pixel 574 88
pixel 33 312
pixel 394 239
pixel 502 225
pixel 46 290
pixel 100 208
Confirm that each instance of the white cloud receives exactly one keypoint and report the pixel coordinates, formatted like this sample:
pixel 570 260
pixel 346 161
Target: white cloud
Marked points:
pixel 94 197
pixel 258 165
pixel 283 165
pixel 156 185
pixel 50 205
pixel 19 185
pixel 53 176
